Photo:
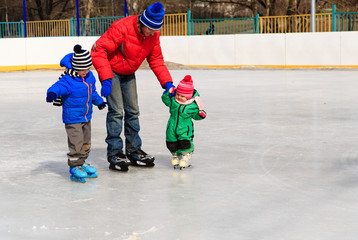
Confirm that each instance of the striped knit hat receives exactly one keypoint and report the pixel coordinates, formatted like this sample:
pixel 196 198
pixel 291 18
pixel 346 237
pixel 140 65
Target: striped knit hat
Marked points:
pixel 81 59
pixel 186 87
pixel 153 16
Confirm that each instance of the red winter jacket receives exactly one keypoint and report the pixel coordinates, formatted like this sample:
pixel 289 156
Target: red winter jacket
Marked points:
pixel 122 49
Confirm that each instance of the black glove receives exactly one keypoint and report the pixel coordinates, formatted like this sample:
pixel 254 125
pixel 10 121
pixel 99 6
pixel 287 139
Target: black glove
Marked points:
pixel 50 97
pixel 102 105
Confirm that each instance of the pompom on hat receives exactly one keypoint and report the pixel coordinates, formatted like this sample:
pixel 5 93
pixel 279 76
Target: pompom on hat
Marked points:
pixel 153 16
pixel 81 59
pixel 186 87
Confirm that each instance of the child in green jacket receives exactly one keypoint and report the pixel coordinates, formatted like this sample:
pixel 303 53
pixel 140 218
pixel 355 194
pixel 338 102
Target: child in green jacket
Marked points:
pixel 185 106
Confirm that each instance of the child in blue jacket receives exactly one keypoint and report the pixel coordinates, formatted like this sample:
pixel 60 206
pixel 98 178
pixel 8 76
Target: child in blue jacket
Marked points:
pixel 77 89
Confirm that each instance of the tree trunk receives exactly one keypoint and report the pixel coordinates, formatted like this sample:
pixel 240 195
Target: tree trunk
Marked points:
pixel 6 14
pixel 268 7
pixel 89 8
pixel 39 9
pixel 292 7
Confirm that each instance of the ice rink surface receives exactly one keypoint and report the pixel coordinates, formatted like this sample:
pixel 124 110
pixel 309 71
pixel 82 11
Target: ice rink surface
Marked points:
pixel 276 159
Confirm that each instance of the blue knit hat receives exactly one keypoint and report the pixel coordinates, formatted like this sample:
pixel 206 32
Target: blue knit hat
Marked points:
pixel 153 16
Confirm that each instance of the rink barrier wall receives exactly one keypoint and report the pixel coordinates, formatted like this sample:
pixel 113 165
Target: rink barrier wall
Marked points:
pixel 291 50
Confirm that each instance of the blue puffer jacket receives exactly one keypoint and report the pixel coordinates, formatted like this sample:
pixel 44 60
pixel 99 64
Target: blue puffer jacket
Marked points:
pixel 78 95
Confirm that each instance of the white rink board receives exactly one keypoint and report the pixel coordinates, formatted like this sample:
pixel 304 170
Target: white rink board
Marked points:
pixel 260 49
pixel 313 49
pixel 51 50
pixel 211 50
pixel 295 49
pixel 349 48
pixel 13 52
pixel 176 49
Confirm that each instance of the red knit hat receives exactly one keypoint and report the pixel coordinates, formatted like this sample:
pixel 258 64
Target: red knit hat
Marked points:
pixel 186 87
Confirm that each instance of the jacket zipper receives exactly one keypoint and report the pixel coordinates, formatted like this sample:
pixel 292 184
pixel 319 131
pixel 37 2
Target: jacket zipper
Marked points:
pixel 87 99
pixel 176 127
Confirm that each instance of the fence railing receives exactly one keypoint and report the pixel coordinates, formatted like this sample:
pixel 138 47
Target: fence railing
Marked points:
pixel 181 24
pixel 223 26
pixel 175 25
pixel 11 29
pixel 92 26
pixel 295 23
pixel 344 21
pixel 48 28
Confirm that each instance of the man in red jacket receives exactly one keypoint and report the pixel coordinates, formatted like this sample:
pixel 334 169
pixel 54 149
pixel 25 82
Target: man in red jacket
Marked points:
pixel 116 55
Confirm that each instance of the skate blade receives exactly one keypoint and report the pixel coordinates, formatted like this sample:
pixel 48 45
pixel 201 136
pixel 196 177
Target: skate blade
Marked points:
pixel 142 164
pixel 185 167
pixel 77 179
pixel 119 168
pixel 92 175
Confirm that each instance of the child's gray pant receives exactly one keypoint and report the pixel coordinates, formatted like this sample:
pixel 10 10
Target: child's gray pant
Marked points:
pixel 79 142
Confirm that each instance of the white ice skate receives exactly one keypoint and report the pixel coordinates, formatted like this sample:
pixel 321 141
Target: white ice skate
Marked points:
pixel 185 161
pixel 175 161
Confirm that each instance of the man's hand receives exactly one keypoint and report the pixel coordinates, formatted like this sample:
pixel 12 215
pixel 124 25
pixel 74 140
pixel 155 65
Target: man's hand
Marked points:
pixel 106 87
pixel 169 87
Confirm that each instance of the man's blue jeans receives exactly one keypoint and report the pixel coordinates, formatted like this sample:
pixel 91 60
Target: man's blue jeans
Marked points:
pixel 123 103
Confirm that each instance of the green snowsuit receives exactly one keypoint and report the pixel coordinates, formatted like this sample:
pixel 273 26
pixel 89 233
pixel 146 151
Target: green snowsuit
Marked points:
pixel 180 128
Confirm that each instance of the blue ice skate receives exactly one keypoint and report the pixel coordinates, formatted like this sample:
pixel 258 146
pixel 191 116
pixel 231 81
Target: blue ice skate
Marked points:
pixel 78 174
pixel 91 171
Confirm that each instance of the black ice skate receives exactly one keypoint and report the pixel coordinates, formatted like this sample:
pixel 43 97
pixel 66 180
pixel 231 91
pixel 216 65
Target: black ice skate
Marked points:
pixel 118 162
pixel 140 158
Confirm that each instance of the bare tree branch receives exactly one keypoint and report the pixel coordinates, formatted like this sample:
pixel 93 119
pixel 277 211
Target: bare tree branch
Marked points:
pixel 59 9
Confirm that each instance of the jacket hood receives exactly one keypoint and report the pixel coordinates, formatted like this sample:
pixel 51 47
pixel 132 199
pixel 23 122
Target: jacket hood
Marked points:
pixel 66 61
pixel 195 94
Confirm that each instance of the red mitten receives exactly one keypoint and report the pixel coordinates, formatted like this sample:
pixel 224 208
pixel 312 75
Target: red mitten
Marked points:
pixel 202 114
pixel 171 90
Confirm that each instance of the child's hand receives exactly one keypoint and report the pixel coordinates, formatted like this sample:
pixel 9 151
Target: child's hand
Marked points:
pixel 50 97
pixel 102 105
pixel 202 114
pixel 168 86
pixel 172 91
